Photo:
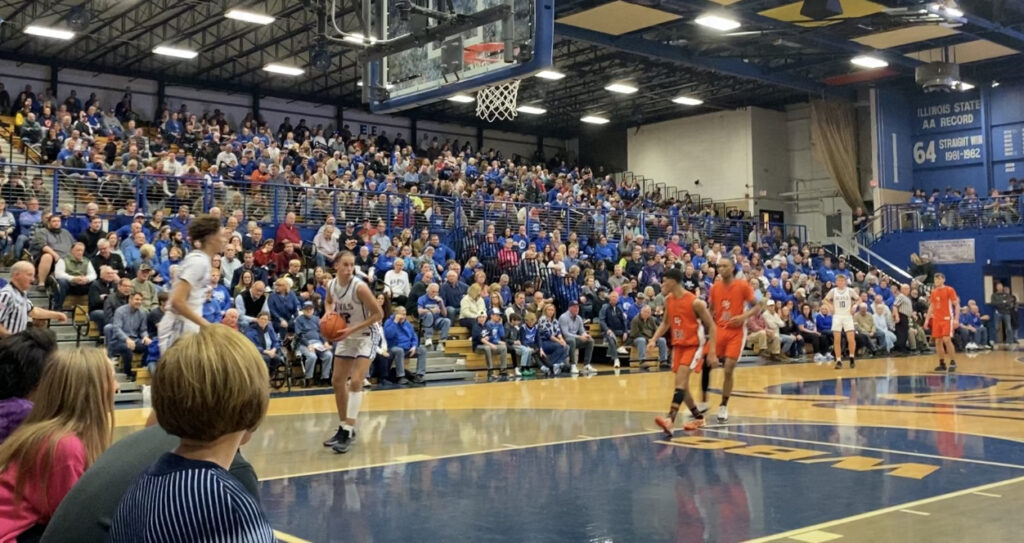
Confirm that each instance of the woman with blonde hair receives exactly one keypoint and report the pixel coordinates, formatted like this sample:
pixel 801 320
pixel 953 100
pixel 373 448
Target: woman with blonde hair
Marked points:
pixel 71 423
pixel 471 306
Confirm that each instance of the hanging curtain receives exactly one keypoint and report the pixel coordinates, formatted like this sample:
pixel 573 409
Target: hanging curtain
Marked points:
pixel 834 140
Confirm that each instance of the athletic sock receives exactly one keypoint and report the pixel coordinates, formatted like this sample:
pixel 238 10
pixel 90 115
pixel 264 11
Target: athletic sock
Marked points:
pixel 725 401
pixel 696 413
pixel 677 398
pixel 355 399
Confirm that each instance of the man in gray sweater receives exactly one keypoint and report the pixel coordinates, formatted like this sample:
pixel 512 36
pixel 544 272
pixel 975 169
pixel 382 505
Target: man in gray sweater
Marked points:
pixel 127 334
pixel 575 333
pixel 50 245
pixel 1005 304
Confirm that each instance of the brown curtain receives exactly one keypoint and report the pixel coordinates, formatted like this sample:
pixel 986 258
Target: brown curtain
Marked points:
pixel 834 139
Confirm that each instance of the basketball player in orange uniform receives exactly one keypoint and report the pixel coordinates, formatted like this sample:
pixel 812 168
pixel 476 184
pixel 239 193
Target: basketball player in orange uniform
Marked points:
pixel 944 316
pixel 730 299
pixel 686 317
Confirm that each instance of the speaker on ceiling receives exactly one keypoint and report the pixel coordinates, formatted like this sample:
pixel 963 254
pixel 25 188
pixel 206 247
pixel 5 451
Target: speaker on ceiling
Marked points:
pixel 821 9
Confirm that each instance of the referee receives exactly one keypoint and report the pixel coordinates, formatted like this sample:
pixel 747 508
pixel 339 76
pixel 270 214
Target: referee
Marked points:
pixel 15 308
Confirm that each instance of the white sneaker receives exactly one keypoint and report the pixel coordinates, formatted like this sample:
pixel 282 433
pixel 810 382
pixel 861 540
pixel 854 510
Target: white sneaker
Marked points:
pixel 972 346
pixel 622 350
pixel 616 364
pixel 829 357
pixel 723 414
pixel 519 372
pixel 428 342
pixel 818 358
pixel 575 370
pixel 590 369
pixel 367 383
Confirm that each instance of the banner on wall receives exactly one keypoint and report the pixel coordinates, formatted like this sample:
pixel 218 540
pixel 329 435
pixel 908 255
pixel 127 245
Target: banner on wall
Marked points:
pixel 946 112
pixel 949 149
pixel 947 251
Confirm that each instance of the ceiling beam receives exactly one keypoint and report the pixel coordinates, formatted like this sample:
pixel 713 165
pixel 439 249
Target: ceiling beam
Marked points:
pixel 658 51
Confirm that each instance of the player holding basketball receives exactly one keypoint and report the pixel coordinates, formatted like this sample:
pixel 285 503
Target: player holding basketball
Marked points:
pixel 185 306
pixel 841 299
pixel 350 297
pixel 732 302
pixel 944 316
pixel 687 317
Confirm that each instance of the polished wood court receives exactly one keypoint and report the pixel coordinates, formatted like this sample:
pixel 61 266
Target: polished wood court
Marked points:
pixel 879 410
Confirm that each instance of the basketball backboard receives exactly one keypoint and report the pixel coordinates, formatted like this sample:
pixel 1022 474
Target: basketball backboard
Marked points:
pixel 475 56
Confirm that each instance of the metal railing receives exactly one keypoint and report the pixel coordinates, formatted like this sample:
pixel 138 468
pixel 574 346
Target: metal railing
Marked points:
pixel 992 212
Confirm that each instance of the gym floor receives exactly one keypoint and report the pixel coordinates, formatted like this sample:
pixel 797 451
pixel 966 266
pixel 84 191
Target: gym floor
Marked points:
pixel 889 451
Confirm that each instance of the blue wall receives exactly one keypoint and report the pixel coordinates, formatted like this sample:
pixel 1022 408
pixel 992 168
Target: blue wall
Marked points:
pixel 953 139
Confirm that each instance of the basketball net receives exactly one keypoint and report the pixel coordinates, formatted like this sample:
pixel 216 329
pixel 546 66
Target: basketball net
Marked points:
pixel 498 102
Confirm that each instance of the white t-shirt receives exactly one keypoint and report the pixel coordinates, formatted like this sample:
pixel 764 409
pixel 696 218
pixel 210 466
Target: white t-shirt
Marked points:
pixel 397 282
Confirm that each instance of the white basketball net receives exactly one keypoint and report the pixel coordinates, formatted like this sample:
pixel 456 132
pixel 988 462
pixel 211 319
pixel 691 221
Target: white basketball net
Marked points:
pixel 498 102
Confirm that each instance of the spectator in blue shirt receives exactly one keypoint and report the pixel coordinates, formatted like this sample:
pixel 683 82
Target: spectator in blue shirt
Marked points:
pixel 972 332
pixel 402 343
pixel 310 345
pixel 181 221
pixel 452 291
pixel 489 339
pixel 433 314
pixel 262 335
pixel 283 305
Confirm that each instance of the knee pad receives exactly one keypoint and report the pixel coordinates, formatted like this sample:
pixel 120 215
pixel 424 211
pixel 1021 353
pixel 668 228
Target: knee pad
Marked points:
pixel 678 396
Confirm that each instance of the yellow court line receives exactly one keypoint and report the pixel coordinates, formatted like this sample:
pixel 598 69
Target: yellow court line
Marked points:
pixel 288 538
pixel 862 447
pixel 912 512
pixel 878 512
pixel 396 461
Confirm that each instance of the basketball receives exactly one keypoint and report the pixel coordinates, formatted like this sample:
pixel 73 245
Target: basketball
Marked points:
pixel 331 326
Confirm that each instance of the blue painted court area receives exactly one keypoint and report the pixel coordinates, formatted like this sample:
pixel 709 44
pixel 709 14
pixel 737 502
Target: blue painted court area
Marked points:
pixel 724 484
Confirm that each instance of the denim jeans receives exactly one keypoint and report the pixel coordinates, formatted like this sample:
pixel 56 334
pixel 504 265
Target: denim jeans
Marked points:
pixel 1006 321
pixel 556 354
pixel 640 349
pixel 524 353
pixel 398 355
pixel 431 321
pixel 309 358
pixel 612 339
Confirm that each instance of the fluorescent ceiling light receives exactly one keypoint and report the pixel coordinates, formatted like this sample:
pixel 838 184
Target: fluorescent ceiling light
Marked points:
pixel 688 101
pixel 868 61
pixel 594 119
pixel 532 110
pixel 622 88
pixel 717 22
pixel 950 12
pixel 283 69
pixel 965 86
pixel 356 37
pixel 175 52
pixel 549 74
pixel 249 16
pixel 461 98
pixel 48 32
pixel 360 84
pixel 995 84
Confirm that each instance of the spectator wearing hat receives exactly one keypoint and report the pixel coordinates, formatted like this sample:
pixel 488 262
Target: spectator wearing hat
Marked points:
pixel 575 333
pixel 310 345
pixel 144 286
pixel 489 340
pixel 402 343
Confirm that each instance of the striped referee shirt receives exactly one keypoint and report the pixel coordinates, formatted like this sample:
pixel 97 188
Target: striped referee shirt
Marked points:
pixel 14 309
pixel 179 499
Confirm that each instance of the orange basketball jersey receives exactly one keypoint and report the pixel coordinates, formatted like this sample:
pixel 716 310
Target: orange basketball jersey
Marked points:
pixel 941 300
pixel 685 328
pixel 729 301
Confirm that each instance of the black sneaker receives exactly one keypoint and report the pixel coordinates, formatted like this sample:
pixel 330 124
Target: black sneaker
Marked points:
pixel 952 367
pixel 941 367
pixel 416 379
pixel 839 364
pixel 853 363
pixel 345 442
pixel 337 437
pixel 403 381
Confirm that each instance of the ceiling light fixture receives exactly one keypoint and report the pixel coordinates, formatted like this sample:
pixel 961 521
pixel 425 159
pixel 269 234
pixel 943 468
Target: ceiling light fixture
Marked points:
pixel 356 37
pixel 389 86
pixel 721 23
pixel 47 32
pixel 550 75
pixel 175 52
pixel 461 98
pixel 995 84
pixel 688 101
pixel 594 119
pixel 532 110
pixel 950 11
pixel 868 61
pixel 621 87
pixel 249 16
pixel 964 86
pixel 283 69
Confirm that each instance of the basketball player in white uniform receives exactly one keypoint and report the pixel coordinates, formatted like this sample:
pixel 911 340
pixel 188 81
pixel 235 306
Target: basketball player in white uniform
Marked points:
pixel 352 298
pixel 842 299
pixel 185 305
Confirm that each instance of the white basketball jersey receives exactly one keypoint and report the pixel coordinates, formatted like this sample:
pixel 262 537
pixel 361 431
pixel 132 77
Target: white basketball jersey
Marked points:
pixel 347 304
pixel 842 301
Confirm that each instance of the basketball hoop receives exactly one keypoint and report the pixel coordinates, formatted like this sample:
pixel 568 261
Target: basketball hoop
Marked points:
pixel 498 102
